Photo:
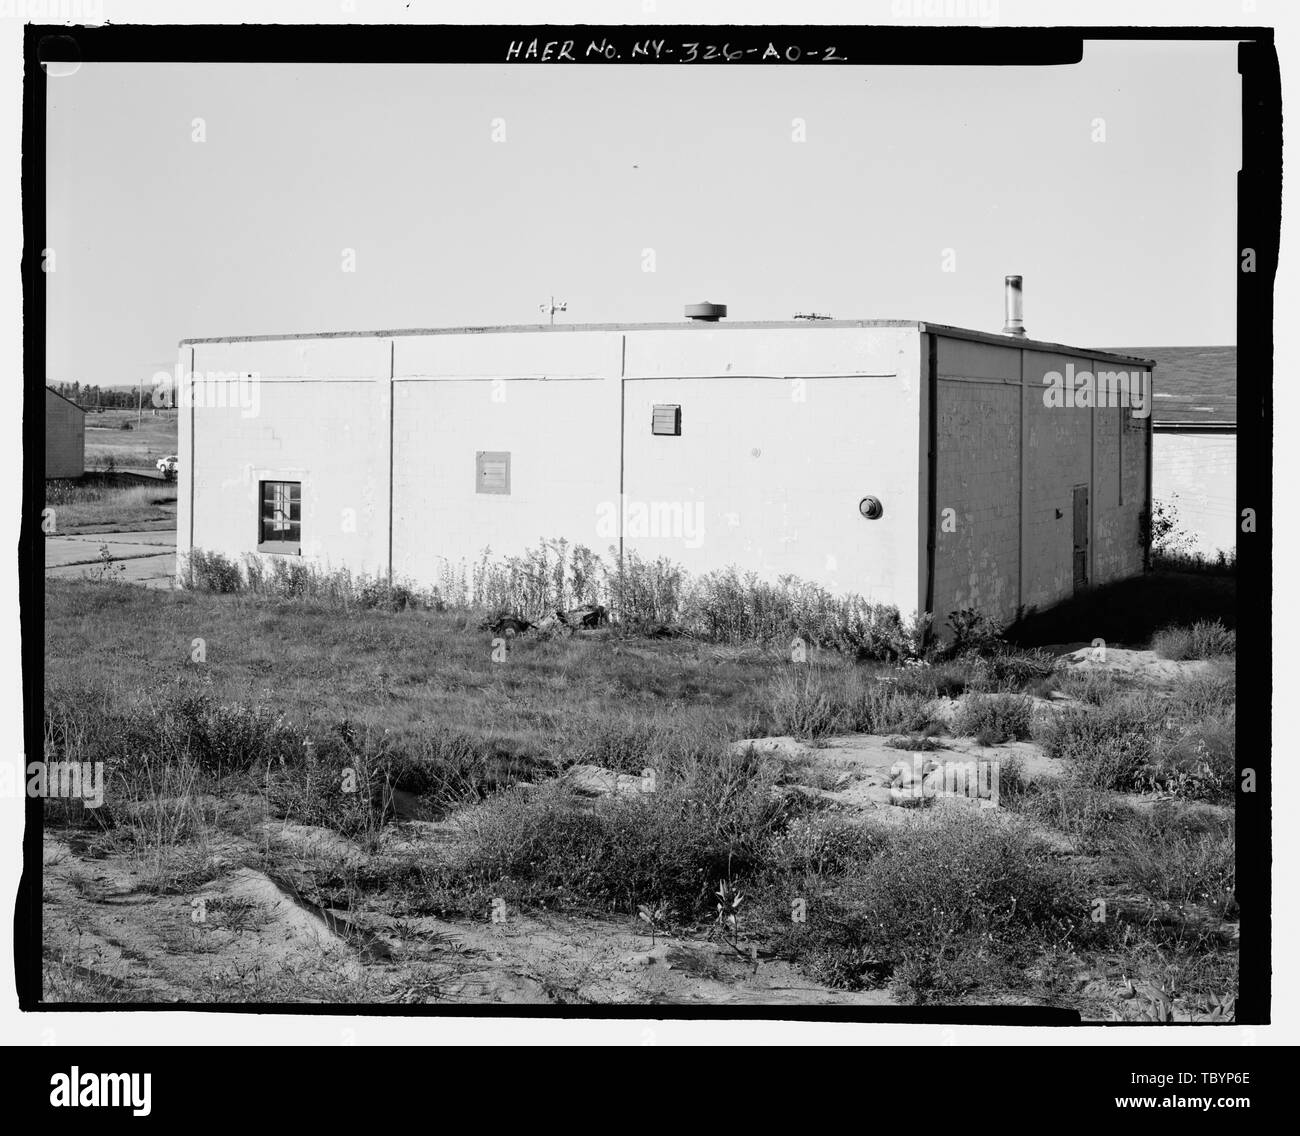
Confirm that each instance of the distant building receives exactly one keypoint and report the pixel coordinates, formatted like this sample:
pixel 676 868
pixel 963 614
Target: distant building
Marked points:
pixel 918 465
pixel 1195 433
pixel 65 437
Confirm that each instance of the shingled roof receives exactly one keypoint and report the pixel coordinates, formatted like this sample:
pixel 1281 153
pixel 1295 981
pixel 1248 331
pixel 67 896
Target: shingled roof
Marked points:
pixel 1194 385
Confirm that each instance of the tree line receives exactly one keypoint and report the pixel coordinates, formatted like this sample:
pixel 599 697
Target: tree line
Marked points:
pixel 91 395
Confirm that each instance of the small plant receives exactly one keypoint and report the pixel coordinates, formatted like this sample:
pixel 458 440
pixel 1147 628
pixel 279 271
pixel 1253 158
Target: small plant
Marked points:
pixel 1158 1004
pixel 108 565
pixel 1223 1008
pixel 655 916
pixel 728 915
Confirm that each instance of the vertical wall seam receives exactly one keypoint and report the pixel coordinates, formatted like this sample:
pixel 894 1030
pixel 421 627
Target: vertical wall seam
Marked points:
pixel 1024 446
pixel 392 414
pixel 1119 493
pixel 193 464
pixel 622 441
pixel 1150 433
pixel 1092 480
pixel 932 466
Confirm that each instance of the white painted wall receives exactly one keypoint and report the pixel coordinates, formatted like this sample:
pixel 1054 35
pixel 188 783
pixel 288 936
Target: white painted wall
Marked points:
pixel 329 432
pixel 833 414
pixel 549 400
pixel 783 433
pixel 1197 473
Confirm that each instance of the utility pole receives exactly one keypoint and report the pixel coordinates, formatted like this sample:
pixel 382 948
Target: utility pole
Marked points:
pixel 551 308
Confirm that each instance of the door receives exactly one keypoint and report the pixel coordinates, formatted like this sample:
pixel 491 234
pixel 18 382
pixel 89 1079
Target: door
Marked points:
pixel 1080 537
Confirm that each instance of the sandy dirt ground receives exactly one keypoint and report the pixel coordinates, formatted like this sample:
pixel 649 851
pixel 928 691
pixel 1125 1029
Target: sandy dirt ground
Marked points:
pixel 264 933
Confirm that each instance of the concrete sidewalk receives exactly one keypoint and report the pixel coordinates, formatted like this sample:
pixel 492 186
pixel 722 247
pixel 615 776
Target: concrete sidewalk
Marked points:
pixel 147 558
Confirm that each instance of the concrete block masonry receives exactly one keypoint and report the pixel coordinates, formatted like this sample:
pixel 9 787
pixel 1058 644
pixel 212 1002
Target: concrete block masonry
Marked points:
pixel 781 431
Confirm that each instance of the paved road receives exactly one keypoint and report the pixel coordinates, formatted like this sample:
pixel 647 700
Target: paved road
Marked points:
pixel 147 558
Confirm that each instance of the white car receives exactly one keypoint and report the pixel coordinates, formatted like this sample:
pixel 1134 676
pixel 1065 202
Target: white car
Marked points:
pixel 167 466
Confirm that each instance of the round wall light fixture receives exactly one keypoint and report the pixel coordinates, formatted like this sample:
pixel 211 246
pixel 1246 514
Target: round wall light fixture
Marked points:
pixel 871 508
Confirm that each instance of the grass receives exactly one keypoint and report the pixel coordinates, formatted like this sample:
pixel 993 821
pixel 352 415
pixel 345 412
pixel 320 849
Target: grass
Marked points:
pixel 394 688
pixel 1185 859
pixel 1204 639
pixel 710 820
pixel 1134 741
pixel 813 702
pixel 96 500
pixel 1107 746
pixel 942 909
pixel 319 704
pixel 149 439
pixel 1096 687
pixel 994 718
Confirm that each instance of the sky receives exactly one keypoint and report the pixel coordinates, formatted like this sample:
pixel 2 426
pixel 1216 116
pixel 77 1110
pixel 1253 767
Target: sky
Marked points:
pixel 471 195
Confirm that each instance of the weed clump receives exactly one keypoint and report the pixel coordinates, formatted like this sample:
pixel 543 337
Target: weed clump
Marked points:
pixel 994 718
pixel 1204 639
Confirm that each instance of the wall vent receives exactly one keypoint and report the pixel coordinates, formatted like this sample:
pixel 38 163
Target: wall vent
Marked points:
pixel 666 420
pixel 492 472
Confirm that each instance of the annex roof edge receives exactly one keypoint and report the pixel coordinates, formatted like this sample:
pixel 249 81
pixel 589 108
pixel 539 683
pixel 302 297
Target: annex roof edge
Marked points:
pixel 692 327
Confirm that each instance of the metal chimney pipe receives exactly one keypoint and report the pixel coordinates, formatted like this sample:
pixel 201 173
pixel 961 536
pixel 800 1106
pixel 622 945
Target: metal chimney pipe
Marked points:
pixel 1015 307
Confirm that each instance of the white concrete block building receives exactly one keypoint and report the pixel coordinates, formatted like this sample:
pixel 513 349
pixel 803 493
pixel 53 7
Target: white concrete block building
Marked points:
pixel 1194 431
pixel 928 467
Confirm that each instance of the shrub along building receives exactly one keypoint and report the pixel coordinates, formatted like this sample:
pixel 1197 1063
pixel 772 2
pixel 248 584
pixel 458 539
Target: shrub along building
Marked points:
pixel 928 467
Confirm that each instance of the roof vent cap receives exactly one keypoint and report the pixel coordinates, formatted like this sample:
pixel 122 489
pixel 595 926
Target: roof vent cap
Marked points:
pixel 708 313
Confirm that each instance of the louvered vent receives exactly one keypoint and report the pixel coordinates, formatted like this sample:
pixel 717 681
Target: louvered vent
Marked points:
pixel 493 472
pixel 666 420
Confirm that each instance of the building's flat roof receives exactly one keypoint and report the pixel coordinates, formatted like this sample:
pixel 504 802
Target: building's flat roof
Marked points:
pixel 696 326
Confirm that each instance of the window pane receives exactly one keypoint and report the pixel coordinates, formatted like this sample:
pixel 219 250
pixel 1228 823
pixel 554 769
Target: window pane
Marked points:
pixel 281 512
